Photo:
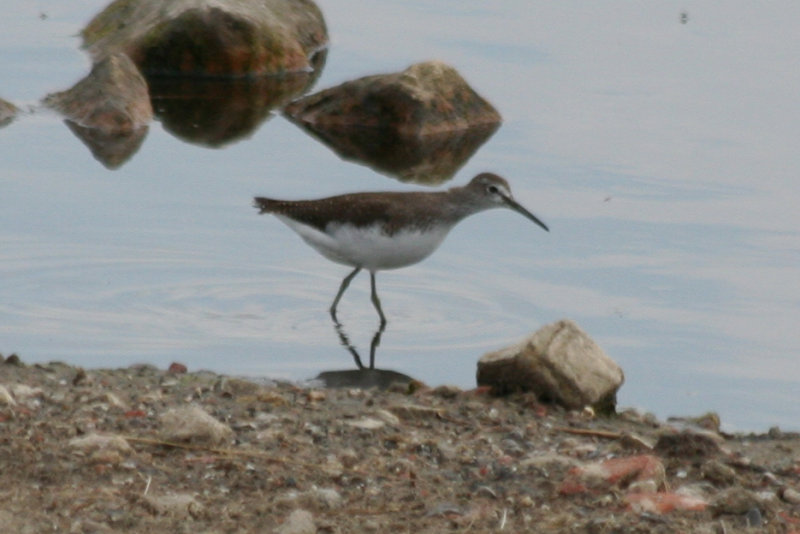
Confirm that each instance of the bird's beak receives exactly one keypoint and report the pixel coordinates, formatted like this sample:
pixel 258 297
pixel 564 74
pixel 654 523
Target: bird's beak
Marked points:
pixel 516 206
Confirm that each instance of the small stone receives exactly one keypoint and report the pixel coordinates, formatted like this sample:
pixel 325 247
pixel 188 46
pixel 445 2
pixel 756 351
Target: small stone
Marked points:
pixel 315 395
pixel 314 498
pixel 718 472
pixel 6 398
pixel 753 518
pixel 114 401
pixel 102 447
pixel 790 495
pixel 298 522
pixel 411 412
pixel 177 505
pixel 635 442
pixel 13 359
pixel 621 471
pixel 447 392
pixel 366 423
pixel 192 423
pixel 349 457
pixel 177 368
pixel 734 500
pixel 688 444
pixel 387 417
pixel 663 502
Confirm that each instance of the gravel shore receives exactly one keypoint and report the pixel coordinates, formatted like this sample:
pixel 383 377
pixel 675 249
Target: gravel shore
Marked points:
pixel 140 449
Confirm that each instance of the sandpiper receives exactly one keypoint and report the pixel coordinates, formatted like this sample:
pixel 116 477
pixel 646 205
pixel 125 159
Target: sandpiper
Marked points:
pixel 388 230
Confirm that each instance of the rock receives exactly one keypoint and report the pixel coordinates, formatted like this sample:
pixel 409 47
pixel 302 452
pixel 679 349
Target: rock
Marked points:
pixel 112 99
pixel 234 38
pixel 688 444
pixel 177 505
pixel 109 110
pixel 298 522
pixel 664 502
pixel 413 412
pixel 5 397
pixel 366 423
pixel 559 363
pixel 622 471
pixel 8 112
pixel 421 124
pixel 387 417
pixel 735 500
pixel 426 98
pixel 24 393
pixel 102 448
pixel 177 368
pixel 718 473
pixel 790 495
pixel 192 423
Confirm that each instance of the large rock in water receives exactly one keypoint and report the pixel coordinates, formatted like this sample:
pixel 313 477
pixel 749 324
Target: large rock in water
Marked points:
pixel 420 125
pixel 109 110
pixel 426 98
pixel 560 363
pixel 113 98
pixel 210 37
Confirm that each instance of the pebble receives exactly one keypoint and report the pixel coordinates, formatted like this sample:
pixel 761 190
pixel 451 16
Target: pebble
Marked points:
pixel 718 472
pixel 735 500
pixel 24 393
pixel 366 423
pixel 192 423
pixel 6 398
pixel 663 502
pixel 178 505
pixel 314 498
pixel 753 517
pixel 387 417
pixel 411 412
pixel 687 443
pixel 298 522
pixel 101 442
pixel 790 495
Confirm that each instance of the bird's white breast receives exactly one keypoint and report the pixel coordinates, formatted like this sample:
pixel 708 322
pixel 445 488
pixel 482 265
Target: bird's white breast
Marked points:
pixel 368 246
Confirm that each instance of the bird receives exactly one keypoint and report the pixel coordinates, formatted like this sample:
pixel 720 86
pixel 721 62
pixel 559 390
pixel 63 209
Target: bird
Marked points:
pixel 385 230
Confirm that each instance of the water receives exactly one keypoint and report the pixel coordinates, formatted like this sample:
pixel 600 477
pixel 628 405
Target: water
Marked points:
pixel 662 154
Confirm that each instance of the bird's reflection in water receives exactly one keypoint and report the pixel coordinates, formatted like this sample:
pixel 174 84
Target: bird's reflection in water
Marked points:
pixel 363 377
pixel 345 340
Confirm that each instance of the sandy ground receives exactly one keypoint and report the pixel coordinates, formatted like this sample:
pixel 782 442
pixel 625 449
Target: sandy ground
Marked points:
pixel 146 450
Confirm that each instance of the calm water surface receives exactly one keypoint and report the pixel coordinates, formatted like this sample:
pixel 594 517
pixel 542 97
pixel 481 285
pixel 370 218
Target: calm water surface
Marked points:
pixel 662 154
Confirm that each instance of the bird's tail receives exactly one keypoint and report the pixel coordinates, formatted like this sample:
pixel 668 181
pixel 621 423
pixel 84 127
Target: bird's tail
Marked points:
pixel 264 204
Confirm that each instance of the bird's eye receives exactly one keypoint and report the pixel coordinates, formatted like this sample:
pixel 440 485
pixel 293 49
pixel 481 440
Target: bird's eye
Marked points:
pixel 492 189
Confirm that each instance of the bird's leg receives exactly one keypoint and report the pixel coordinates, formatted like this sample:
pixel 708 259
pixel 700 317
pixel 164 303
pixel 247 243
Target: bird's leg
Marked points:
pixel 375 300
pixel 342 289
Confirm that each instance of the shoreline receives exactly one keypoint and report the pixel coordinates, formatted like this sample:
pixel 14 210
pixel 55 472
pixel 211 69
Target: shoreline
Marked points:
pixel 142 449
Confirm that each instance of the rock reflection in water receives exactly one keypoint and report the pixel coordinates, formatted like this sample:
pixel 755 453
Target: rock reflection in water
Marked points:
pixel 428 159
pixel 110 149
pixel 214 112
